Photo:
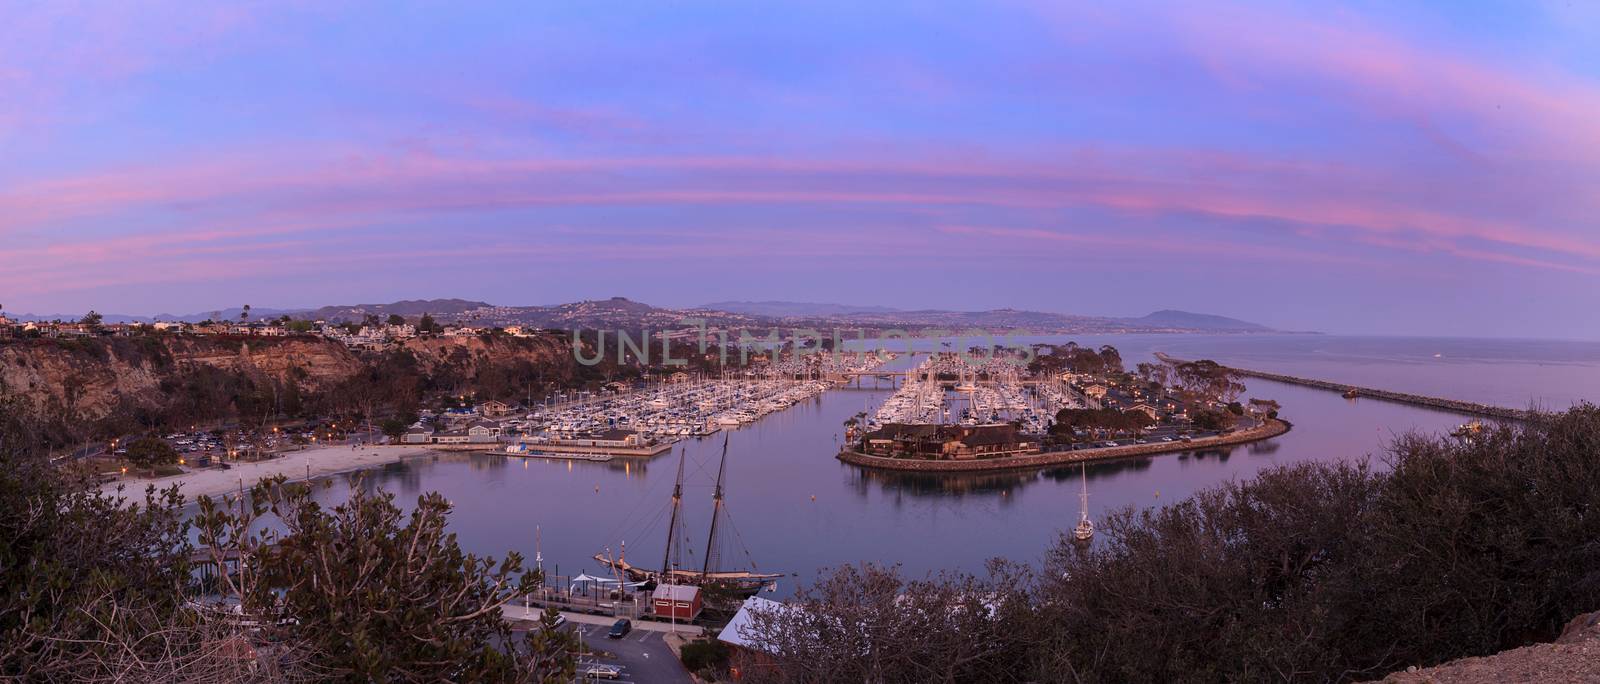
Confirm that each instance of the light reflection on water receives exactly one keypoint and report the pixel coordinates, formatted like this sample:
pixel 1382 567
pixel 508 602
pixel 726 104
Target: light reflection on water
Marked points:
pixel 924 522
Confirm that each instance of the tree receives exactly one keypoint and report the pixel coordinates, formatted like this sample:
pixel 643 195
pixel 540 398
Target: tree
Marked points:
pixel 88 577
pixel 869 624
pixel 93 318
pixel 149 452
pixel 1209 379
pixel 427 325
pixel 244 314
pixel 1111 359
pixel 1266 408
pixel 394 428
pixel 1211 419
pixel 380 596
pixel 396 319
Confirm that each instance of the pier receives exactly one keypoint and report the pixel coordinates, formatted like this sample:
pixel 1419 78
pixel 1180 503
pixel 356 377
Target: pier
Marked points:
pixel 1453 405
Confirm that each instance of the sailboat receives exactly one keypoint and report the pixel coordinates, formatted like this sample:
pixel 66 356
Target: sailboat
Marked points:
pixel 738 582
pixel 1085 529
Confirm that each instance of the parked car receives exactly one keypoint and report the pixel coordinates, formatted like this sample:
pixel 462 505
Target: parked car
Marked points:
pixel 602 671
pixel 620 628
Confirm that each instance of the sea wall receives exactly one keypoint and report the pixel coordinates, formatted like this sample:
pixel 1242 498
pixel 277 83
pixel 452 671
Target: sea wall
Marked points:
pixel 1268 430
pixel 1457 406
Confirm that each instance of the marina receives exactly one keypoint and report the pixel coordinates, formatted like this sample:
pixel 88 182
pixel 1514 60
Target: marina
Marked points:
pixel 798 509
pixel 946 388
pixel 683 406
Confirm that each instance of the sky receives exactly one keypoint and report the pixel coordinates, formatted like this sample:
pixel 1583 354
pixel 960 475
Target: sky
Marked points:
pixel 1359 167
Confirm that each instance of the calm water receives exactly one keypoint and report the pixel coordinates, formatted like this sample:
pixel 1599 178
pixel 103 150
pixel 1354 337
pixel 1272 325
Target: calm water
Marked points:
pixel 926 523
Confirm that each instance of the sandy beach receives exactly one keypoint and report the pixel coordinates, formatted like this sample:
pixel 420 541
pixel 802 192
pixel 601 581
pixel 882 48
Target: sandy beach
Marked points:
pixel 295 465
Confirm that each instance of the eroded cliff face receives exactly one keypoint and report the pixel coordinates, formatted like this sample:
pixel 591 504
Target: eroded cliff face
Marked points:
pixel 89 379
pixel 550 355
pixel 111 385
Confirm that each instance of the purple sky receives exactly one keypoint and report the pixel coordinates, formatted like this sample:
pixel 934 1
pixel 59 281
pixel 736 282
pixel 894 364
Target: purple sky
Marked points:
pixel 1381 167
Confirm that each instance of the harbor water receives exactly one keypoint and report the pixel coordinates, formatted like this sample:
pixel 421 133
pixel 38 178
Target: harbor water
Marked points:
pixel 797 509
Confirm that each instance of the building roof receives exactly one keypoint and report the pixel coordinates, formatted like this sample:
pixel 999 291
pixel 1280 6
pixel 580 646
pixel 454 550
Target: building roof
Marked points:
pixel 904 431
pixel 742 622
pixel 676 592
pixel 990 434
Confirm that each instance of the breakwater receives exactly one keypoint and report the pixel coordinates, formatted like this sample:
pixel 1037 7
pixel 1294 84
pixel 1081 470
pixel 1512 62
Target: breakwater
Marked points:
pixel 1454 405
pixel 1271 428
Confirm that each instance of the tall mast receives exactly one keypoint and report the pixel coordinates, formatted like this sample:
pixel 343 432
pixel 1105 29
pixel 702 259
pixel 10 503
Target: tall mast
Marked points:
pixel 1084 497
pixel 672 525
pixel 716 512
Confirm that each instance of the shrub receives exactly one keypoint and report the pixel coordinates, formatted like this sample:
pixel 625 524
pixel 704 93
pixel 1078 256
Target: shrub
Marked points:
pixel 705 654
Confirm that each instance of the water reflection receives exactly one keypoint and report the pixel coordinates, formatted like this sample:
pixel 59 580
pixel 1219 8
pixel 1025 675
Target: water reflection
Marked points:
pixel 798 509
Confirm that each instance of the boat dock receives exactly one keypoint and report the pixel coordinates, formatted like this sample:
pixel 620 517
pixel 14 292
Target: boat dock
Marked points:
pixel 1356 391
pixel 556 450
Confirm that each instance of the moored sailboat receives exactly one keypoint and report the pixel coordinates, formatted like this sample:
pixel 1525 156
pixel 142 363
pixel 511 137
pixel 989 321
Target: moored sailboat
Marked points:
pixel 709 575
pixel 1084 531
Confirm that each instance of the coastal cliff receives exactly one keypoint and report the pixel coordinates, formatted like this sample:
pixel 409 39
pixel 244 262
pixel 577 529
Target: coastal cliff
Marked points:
pixel 105 386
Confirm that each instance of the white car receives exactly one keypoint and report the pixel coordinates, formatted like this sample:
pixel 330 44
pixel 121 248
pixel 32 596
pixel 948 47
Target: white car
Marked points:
pixel 602 671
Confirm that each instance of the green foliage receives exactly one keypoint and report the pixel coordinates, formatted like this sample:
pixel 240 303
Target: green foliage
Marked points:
pixel 380 595
pixel 705 655
pixel 1209 419
pixel 148 452
pixel 396 319
pixel 1105 418
pixel 395 428
pixel 81 570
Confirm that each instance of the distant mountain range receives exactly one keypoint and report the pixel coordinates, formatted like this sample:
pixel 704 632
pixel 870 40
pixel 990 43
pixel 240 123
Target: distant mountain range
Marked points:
pixel 794 309
pixel 623 313
pixel 1183 319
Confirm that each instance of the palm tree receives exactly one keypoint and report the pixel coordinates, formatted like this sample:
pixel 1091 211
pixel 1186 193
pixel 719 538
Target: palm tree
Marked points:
pixel 244 314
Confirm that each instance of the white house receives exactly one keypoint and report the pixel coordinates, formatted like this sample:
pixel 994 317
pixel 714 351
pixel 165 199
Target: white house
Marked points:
pixel 483 431
pixel 417 435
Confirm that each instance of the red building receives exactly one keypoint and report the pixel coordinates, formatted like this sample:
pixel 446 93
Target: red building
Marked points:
pixel 679 601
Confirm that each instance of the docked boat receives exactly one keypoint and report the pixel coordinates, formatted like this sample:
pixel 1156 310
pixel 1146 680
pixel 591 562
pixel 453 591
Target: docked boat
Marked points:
pixel 523 450
pixel 741 583
pixel 1084 531
pixel 1351 393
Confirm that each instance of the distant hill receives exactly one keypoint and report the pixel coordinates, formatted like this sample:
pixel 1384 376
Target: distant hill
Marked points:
pixel 777 309
pixel 1169 318
pixel 220 314
pixel 406 307
pixel 625 314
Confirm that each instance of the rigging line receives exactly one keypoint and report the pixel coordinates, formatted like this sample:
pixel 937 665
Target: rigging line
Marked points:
pixel 639 503
pixel 737 538
pixel 647 531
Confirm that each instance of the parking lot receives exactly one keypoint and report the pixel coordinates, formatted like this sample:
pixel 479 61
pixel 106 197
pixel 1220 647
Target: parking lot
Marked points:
pixel 641 656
